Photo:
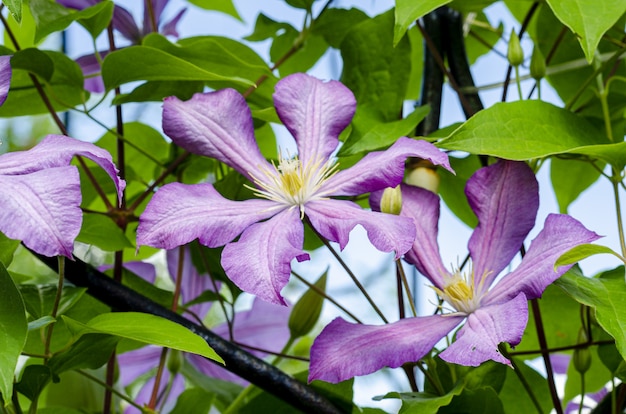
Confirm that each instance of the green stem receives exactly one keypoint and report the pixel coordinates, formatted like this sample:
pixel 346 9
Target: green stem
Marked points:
pixel 325 296
pixel 519 84
pixel 243 396
pixel 521 377
pixel 112 389
pixel 55 306
pixel 618 212
pixel 582 392
pixel 350 273
pixel 405 282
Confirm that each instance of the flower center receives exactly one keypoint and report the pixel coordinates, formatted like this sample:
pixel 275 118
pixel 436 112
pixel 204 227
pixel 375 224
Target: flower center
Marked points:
pixel 293 183
pixel 461 291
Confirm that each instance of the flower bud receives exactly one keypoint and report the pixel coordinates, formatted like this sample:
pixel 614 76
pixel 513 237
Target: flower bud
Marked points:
pixel 582 356
pixel 174 361
pixel 391 201
pixel 515 54
pixel 423 174
pixel 307 311
pixel 537 64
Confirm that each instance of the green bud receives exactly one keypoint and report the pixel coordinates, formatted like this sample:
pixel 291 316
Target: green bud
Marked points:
pixel 515 54
pixel 174 361
pixel 582 356
pixel 537 64
pixel 307 311
pixel 391 201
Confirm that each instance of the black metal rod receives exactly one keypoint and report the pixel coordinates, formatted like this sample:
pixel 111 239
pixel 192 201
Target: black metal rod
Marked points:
pixel 237 360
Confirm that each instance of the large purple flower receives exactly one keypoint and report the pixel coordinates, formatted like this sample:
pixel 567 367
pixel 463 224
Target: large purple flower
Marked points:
pixel 219 125
pixel 124 23
pixel 264 326
pixel 505 198
pixel 40 203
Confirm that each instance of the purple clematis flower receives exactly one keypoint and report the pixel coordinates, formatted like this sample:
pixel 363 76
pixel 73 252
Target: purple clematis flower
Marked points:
pixel 41 196
pixel 505 198
pixel 264 326
pixel 124 23
pixel 219 125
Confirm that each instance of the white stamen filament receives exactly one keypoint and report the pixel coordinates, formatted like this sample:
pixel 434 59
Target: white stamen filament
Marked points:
pixel 293 183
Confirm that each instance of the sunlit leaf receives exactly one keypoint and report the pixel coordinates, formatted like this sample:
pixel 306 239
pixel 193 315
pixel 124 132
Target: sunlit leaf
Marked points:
pixel 408 11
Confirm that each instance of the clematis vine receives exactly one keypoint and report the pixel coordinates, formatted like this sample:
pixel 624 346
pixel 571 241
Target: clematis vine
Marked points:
pixel 124 23
pixel 41 196
pixel 504 197
pixel 219 125
pixel 264 326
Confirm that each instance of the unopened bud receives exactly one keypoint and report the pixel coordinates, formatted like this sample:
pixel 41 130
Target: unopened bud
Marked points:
pixel 515 54
pixel 537 64
pixel 423 175
pixel 307 310
pixel 174 361
pixel 582 356
pixel 391 201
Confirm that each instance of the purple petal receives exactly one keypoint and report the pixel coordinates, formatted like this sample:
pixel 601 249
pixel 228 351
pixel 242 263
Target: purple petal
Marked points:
pixel 193 284
pixel 144 270
pixel 42 209
pixel 169 28
pixel 58 151
pixel 157 8
pixel 560 233
pixel 77 4
pixel 560 362
pixel 335 219
pixel 259 263
pixel 381 169
pixel 216 125
pixel 5 77
pixel 423 207
pixel 90 66
pixel 344 350
pixel 477 341
pixel 124 23
pixel 179 213
pixel 135 363
pixel 315 112
pixel 505 198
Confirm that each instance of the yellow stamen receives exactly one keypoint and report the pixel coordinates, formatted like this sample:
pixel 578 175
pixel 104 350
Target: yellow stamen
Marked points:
pixel 460 291
pixel 292 183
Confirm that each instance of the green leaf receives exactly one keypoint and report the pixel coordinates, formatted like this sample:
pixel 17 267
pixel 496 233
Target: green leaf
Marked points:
pixel 266 28
pixel 423 402
pixel 224 6
pixel 40 323
pixel 51 17
pixel 596 377
pixel 408 11
pixel 524 130
pixel 304 58
pixel 156 91
pixel 583 251
pixel 91 351
pixel 15 7
pixel 7 249
pixel 570 179
pixel 588 19
pixel 452 187
pixel 34 61
pixel 65 89
pixel 301 4
pixel 334 24
pixel 147 63
pixel 98 22
pixel 34 379
pixel 481 400
pixel 606 296
pixel 101 231
pixel 14 330
pixel 375 70
pixel 194 400
pixel 145 328
pixel 516 400
pixel 377 134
